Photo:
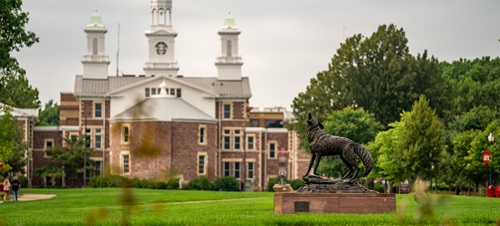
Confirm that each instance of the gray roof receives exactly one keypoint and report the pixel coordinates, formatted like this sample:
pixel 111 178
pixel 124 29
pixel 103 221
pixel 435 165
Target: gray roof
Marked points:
pixel 102 87
pixel 20 112
pixel 164 108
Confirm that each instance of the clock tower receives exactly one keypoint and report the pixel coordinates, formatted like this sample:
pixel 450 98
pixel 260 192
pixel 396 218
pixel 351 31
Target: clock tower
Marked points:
pixel 95 61
pixel 161 41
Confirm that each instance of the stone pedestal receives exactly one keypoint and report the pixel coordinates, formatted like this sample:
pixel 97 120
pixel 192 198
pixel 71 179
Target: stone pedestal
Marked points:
pixel 360 203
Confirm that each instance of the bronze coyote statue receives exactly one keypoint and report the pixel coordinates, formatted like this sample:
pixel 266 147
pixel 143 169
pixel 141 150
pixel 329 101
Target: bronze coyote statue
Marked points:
pixel 322 144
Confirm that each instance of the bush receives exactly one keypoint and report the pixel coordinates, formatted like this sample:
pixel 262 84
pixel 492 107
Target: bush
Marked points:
pixel 119 181
pixel 296 184
pixel 109 181
pixel 23 180
pixel 379 187
pixel 227 184
pixel 200 183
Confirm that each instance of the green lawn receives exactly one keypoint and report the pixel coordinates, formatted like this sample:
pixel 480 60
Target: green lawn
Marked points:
pixel 170 207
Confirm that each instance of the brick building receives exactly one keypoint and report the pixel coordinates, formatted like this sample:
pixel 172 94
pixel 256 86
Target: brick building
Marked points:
pixel 164 124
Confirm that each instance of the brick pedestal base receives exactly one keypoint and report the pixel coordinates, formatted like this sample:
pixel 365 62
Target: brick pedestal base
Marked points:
pixel 294 202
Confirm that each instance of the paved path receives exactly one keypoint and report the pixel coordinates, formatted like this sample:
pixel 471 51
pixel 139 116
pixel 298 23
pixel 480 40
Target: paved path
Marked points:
pixel 31 197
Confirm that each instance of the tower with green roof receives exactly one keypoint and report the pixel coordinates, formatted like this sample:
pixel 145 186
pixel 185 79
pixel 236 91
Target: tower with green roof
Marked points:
pixel 229 61
pixel 95 61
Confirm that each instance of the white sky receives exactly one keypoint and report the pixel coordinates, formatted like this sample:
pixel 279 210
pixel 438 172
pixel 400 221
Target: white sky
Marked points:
pixel 284 43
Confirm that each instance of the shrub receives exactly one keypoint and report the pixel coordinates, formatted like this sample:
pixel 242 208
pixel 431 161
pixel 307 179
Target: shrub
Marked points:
pixel 23 180
pixel 379 187
pixel 296 184
pixel 200 183
pixel 227 184
pixel 173 184
pixel 109 181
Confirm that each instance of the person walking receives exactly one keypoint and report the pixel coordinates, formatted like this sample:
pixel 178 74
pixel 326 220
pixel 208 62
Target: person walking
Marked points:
pixel 15 188
pixel 6 189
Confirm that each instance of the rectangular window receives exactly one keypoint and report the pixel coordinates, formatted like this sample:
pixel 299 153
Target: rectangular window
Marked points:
pixel 237 142
pixel 272 150
pixel 201 164
pixel 97 139
pixel 153 91
pixel 48 145
pixel 125 135
pixel 97 169
pixel 202 135
pixel 146 92
pixel 125 164
pixel 172 91
pixel 237 170
pixel 98 110
pixel 227 139
pixel 250 170
pixel 179 92
pixel 88 139
pixel 254 123
pixel 250 142
pixel 227 111
pixel 227 171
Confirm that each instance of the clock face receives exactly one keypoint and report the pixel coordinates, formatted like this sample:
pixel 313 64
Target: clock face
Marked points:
pixel 161 48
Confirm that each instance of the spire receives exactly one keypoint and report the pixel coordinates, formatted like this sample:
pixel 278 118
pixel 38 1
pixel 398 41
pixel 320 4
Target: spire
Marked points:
pixel 229 22
pixel 95 20
pixel 95 61
pixel 229 61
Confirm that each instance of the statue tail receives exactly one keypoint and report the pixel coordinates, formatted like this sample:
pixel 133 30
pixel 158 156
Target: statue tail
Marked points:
pixel 365 156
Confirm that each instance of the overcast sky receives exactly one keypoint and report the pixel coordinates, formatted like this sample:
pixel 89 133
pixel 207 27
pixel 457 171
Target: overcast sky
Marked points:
pixel 283 43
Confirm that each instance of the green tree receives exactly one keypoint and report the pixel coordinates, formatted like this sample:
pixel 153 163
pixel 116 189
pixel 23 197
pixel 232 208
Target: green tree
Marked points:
pixel 474 83
pixel 49 116
pixel 376 73
pixel 14 86
pixel 389 164
pixel 11 139
pixel 67 160
pixel 422 140
pixel 416 147
pixel 355 124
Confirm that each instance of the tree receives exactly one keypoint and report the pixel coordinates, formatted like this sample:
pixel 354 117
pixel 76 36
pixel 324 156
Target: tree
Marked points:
pixel 12 147
pixel 376 73
pixel 68 160
pixel 422 140
pixel 49 116
pixel 14 87
pixel 413 149
pixel 355 124
pixel 474 83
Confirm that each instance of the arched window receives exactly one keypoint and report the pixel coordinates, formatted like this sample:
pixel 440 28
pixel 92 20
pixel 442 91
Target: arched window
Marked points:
pixel 162 19
pixel 229 48
pixel 95 46
pixel 153 17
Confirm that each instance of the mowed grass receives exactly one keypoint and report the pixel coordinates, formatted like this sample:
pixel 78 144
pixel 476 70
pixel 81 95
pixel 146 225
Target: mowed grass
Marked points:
pixel 110 206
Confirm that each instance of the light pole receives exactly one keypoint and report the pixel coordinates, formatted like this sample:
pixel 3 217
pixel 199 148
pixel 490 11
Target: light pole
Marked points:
pixel 491 139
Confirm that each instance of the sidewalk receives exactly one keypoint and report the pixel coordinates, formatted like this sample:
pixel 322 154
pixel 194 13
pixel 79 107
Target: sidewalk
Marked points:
pixel 31 197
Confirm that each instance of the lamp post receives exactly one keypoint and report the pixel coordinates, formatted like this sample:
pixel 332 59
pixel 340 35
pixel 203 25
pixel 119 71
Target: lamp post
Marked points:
pixel 491 139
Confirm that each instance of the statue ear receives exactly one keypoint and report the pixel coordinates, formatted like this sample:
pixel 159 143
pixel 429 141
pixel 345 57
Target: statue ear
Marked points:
pixel 321 125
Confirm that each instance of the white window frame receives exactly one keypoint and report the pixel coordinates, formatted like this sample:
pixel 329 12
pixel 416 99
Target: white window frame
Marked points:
pixel 252 147
pixel 202 134
pixel 125 127
pixel 45 147
pixel 224 110
pixel 250 169
pixel 275 144
pixel 122 163
pixel 205 163
pixel 95 109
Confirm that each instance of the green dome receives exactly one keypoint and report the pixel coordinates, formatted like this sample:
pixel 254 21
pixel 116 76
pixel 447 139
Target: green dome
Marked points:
pixel 229 21
pixel 95 20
